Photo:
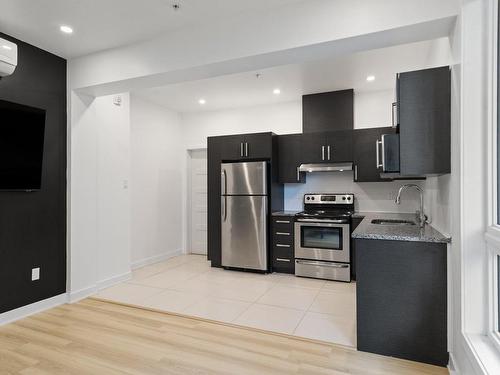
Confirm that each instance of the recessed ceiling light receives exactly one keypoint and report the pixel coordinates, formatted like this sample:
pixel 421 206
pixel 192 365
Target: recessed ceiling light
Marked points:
pixel 276 91
pixel 66 29
pixel 370 78
pixel 202 101
pixel 8 48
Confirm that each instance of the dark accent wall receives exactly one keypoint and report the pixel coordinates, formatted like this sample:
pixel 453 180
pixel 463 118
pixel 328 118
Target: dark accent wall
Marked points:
pixel 33 225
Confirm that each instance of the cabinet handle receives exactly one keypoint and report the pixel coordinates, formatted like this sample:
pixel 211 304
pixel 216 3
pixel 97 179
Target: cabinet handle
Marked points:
pixel 282 222
pixel 356 172
pixel 283 260
pixel 328 152
pixel 377 144
pixel 283 233
pixel 322 152
pixel 383 151
pixel 246 149
pixel 394 108
pixel 241 149
pixel 298 174
pixel 281 245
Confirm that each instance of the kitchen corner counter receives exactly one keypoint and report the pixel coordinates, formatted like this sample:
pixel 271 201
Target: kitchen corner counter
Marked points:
pixel 285 213
pixel 367 230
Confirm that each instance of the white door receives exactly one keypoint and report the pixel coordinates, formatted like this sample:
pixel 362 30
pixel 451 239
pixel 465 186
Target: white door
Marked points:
pixel 198 199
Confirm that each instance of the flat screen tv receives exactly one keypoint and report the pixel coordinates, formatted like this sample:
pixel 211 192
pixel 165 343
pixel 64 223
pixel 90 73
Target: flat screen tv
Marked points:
pixel 22 131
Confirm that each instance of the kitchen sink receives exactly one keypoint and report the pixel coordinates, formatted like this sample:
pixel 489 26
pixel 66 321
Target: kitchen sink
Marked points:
pixel 392 222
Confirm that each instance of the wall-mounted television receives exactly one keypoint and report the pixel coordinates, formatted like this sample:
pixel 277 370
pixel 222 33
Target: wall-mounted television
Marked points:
pixel 22 131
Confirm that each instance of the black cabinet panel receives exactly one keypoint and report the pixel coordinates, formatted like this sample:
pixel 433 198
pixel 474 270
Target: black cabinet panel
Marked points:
pixel 258 146
pixel 283 259
pixel 328 111
pixel 215 145
pixel 401 299
pixel 365 153
pixel 290 147
pixel 424 102
pixel 313 148
pixel 233 147
pixel 339 146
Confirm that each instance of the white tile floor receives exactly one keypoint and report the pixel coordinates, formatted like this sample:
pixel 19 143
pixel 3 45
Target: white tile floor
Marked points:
pixel 317 309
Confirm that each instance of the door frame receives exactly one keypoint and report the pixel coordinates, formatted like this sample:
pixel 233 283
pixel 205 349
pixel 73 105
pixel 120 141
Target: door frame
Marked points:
pixel 189 200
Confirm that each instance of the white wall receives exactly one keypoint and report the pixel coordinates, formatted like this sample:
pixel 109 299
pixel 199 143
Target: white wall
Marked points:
pixel 156 182
pixel 282 118
pixel 100 211
pixel 369 196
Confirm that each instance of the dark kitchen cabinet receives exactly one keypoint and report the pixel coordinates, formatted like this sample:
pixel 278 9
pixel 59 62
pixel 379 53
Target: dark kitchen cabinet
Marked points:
pixel 401 299
pixel 328 111
pixel 290 146
pixel 327 147
pixel 365 153
pixel 283 258
pixel 232 147
pixel 424 118
pixel 214 157
pixel 244 147
pixel 258 146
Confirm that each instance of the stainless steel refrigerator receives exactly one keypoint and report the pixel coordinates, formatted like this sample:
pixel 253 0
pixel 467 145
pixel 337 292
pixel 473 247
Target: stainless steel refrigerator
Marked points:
pixel 244 208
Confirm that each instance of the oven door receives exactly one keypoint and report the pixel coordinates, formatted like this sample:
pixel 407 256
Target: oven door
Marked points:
pixel 327 240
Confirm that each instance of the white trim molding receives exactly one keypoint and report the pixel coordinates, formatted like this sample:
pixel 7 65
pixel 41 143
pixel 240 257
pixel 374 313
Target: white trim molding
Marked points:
pixel 155 259
pixel 34 308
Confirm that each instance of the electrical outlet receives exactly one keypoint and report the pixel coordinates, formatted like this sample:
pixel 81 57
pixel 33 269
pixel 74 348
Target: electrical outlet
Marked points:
pixel 35 274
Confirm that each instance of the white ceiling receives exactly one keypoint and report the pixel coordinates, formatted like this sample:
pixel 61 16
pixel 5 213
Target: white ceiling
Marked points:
pixel 244 89
pixel 103 24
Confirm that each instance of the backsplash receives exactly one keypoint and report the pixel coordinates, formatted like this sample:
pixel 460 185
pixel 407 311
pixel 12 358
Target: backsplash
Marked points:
pixel 369 196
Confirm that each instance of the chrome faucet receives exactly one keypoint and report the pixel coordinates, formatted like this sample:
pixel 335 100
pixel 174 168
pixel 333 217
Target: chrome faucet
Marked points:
pixel 422 218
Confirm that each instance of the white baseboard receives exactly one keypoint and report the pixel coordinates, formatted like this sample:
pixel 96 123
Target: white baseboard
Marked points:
pixel 155 259
pixel 25 311
pixel 78 295
pixel 452 365
pixel 113 280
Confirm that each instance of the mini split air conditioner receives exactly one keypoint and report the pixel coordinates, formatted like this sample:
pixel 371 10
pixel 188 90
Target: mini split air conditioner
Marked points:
pixel 8 57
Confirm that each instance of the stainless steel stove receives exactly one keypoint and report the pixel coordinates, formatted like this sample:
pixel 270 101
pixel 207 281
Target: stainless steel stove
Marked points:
pixel 322 237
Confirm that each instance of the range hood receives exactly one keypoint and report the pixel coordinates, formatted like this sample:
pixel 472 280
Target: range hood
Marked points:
pixel 326 167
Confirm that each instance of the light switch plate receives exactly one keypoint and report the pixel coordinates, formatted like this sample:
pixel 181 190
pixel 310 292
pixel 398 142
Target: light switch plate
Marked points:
pixel 35 274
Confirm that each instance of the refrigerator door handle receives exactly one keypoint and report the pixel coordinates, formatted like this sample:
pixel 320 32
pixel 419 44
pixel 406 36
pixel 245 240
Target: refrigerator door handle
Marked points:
pixel 224 182
pixel 225 208
pixel 241 149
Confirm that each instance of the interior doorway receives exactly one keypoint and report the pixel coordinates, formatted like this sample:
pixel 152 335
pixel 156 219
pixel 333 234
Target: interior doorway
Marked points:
pixel 197 192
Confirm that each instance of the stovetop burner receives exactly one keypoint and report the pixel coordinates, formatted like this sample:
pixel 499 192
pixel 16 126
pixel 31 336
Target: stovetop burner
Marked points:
pixel 328 206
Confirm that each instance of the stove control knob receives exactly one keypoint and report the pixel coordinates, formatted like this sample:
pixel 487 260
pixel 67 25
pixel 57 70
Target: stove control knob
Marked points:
pixel 308 198
pixel 312 198
pixel 348 198
pixel 343 198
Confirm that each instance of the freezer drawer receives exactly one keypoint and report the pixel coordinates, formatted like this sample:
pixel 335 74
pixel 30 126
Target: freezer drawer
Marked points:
pixel 244 232
pixel 248 178
pixel 323 270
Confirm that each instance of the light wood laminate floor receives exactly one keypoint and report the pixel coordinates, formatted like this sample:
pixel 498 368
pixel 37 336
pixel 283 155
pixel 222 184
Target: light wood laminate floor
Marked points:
pixel 96 337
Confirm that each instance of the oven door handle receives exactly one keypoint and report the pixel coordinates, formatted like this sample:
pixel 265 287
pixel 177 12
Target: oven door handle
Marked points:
pixel 322 221
pixel 323 264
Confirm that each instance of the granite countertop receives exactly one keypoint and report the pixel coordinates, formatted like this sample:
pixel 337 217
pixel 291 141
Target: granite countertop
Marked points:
pixel 367 230
pixel 285 213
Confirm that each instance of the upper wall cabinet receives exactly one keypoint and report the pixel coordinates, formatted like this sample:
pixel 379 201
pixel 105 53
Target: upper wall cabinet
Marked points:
pixel 365 147
pixel 290 147
pixel 423 107
pixel 327 147
pixel 328 111
pixel 246 146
